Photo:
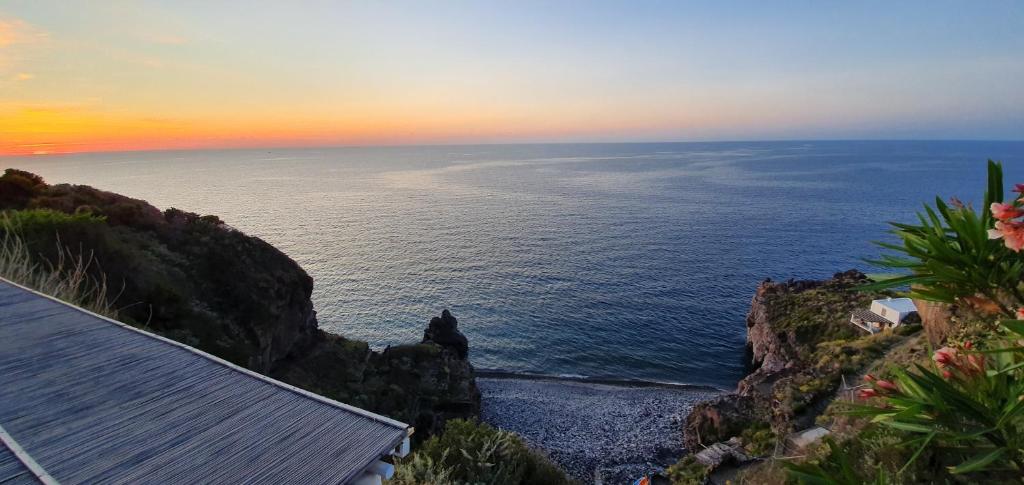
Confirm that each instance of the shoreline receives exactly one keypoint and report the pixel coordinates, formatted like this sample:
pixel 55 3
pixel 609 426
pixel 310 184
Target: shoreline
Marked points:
pixel 608 381
pixel 595 430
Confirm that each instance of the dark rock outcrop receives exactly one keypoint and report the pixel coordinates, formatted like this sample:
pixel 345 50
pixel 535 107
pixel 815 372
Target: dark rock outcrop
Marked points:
pixel 722 418
pixel 198 281
pixel 444 331
pixel 422 384
pixel 773 349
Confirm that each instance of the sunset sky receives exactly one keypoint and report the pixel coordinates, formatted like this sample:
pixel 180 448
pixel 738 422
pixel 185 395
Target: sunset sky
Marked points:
pixel 125 75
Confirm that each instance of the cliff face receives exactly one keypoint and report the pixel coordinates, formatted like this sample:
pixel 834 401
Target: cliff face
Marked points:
pixel 787 318
pixel 196 280
pixel 769 350
pixel 423 384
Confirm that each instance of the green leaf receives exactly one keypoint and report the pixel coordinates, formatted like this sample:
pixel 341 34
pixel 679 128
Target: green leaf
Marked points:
pixel 1015 326
pixel 1016 366
pixel 917 453
pixel 978 462
pixel 809 474
pixel 916 428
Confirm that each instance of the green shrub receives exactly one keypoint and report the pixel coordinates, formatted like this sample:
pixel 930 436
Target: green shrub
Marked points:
pixel 971 405
pixel 687 471
pixel 421 469
pixel 758 440
pixel 66 276
pixel 17 187
pixel 876 455
pixel 469 452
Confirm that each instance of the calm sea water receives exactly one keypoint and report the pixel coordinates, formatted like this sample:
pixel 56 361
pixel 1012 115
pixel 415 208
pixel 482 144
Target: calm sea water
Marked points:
pixel 629 261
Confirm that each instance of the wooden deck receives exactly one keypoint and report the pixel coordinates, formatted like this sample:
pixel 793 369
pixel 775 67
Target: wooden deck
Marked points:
pixel 90 400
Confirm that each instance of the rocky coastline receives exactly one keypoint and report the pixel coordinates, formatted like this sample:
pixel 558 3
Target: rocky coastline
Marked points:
pixel 196 280
pixel 800 348
pixel 774 350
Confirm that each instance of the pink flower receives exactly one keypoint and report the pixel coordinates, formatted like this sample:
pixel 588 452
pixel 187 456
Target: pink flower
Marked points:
pixel 869 378
pixel 945 357
pixel 977 361
pixel 1019 188
pixel 1005 212
pixel 968 345
pixel 946 374
pixel 867 393
pixel 886 386
pixel 1020 313
pixel 1012 234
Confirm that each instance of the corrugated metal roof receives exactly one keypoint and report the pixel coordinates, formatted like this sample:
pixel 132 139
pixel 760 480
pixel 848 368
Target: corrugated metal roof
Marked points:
pixel 902 305
pixel 869 316
pixel 94 401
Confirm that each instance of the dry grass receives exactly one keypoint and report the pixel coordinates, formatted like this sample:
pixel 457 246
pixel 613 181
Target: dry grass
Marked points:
pixel 67 278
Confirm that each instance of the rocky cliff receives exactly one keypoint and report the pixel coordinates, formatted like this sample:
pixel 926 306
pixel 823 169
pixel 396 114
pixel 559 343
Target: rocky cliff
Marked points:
pixel 800 343
pixel 196 280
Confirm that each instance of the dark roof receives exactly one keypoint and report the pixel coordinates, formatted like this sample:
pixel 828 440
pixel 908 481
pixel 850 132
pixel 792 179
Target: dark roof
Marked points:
pixel 869 316
pixel 91 400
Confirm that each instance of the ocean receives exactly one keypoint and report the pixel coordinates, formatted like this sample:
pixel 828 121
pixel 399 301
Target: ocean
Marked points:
pixel 611 261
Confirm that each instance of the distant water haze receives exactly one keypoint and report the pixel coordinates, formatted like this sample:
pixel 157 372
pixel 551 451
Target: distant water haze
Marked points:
pixel 625 261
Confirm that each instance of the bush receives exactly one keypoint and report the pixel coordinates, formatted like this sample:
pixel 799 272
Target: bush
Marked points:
pixel 688 471
pixel 877 455
pixel 66 277
pixel 17 187
pixel 971 406
pixel 475 453
pixel 759 440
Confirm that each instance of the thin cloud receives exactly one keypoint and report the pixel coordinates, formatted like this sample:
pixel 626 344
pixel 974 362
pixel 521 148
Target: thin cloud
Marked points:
pixel 16 31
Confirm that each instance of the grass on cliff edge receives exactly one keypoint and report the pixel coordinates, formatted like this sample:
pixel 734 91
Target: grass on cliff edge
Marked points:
pixel 66 279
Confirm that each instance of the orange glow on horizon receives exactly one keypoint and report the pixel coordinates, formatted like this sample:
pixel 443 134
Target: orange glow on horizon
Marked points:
pixel 119 76
pixel 47 130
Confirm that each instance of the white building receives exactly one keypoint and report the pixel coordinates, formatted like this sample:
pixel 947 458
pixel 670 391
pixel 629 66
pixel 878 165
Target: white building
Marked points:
pixel 893 309
pixel 885 313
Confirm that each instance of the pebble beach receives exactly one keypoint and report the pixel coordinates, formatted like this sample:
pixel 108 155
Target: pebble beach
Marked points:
pixel 599 432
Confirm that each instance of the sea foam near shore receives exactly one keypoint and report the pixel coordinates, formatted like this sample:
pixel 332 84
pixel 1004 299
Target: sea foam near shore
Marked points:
pixel 612 431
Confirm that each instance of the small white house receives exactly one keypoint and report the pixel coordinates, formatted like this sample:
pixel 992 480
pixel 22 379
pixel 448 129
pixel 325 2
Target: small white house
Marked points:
pixel 893 309
pixel 886 313
pixel 809 436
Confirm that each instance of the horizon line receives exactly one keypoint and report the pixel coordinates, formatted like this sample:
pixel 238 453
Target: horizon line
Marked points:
pixel 425 145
